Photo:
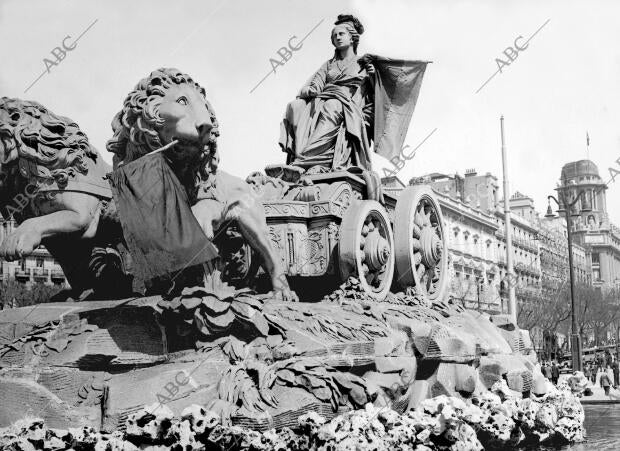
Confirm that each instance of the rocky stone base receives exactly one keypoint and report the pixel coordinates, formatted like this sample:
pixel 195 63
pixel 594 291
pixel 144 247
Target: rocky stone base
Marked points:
pixel 493 420
pixel 258 366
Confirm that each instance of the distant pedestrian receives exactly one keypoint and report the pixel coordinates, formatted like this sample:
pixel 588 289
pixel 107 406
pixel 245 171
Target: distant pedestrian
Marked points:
pixel 555 373
pixel 593 375
pixel 599 362
pixel 605 382
pixel 616 369
pixel 547 370
pixel 610 375
pixel 588 372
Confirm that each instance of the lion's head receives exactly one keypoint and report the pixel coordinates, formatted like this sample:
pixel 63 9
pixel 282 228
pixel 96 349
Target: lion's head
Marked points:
pixel 40 145
pixel 167 105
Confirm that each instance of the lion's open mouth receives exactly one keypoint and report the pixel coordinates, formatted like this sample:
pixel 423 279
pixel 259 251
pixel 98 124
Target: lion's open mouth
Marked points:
pixel 192 145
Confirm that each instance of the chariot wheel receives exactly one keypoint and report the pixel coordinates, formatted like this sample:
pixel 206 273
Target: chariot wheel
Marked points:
pixel 366 247
pixel 421 243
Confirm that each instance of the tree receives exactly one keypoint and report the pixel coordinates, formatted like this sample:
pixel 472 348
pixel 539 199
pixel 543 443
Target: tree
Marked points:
pixel 16 294
pixel 600 311
pixel 544 314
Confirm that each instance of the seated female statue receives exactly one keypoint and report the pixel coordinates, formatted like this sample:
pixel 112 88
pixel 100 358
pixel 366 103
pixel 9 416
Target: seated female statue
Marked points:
pixel 328 126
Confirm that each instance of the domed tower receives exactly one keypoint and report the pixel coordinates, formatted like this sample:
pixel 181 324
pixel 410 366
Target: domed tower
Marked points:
pixel 590 223
pixel 590 212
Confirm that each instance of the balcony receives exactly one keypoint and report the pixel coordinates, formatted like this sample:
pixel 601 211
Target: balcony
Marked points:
pixel 39 273
pixel 525 244
pixel 22 274
pixel 57 274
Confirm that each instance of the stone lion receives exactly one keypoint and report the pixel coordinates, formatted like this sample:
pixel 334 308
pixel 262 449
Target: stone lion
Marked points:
pixel 52 183
pixel 169 106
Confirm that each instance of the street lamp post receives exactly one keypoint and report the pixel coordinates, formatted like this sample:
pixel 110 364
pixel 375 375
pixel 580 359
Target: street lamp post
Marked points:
pixel 575 337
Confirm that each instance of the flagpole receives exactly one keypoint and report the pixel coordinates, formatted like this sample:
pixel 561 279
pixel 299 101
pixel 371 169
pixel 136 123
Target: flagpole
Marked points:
pixel 512 302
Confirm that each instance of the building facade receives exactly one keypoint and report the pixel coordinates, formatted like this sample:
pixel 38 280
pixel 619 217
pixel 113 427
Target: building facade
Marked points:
pixel 474 223
pixel 553 239
pixel 471 233
pixel 39 267
pixel 525 248
pixel 472 244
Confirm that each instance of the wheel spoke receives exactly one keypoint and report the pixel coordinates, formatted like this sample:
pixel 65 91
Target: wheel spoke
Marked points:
pixel 417 246
pixel 418 219
pixel 370 278
pixel 429 277
pixel 380 274
pixel 416 231
pixel 421 270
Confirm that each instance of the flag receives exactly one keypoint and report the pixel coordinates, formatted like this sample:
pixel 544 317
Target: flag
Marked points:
pixel 162 234
pixel 587 139
pixel 396 93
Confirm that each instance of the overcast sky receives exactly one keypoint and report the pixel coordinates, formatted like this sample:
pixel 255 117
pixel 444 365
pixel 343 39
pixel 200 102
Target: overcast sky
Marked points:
pixel 563 84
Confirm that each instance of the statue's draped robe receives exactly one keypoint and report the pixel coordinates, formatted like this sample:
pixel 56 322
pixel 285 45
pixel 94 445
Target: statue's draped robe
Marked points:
pixel 329 130
pixel 332 128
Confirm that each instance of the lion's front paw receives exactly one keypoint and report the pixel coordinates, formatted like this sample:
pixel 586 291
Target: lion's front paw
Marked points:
pixel 287 296
pixel 20 243
pixel 282 291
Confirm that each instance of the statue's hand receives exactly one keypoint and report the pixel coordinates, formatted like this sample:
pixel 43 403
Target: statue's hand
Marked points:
pixel 23 241
pixel 307 93
pixel 370 69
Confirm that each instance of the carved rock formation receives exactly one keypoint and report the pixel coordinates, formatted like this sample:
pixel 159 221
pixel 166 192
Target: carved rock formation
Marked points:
pixel 259 364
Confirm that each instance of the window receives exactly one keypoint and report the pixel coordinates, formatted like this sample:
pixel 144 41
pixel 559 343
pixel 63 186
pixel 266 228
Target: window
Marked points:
pixel 595 258
pixel 39 262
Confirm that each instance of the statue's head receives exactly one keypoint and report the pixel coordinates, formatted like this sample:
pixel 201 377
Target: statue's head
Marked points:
pixel 347 32
pixel 167 105
pixel 39 145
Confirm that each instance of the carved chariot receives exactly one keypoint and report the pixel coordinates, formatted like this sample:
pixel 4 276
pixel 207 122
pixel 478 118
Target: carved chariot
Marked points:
pixel 324 228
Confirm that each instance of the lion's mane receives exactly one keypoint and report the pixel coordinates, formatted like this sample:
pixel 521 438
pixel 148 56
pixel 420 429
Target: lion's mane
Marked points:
pixel 136 126
pixel 44 145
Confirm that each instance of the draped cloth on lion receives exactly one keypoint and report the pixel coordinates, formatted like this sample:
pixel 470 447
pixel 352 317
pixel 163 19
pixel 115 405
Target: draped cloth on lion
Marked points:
pixel 162 234
pixel 396 93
